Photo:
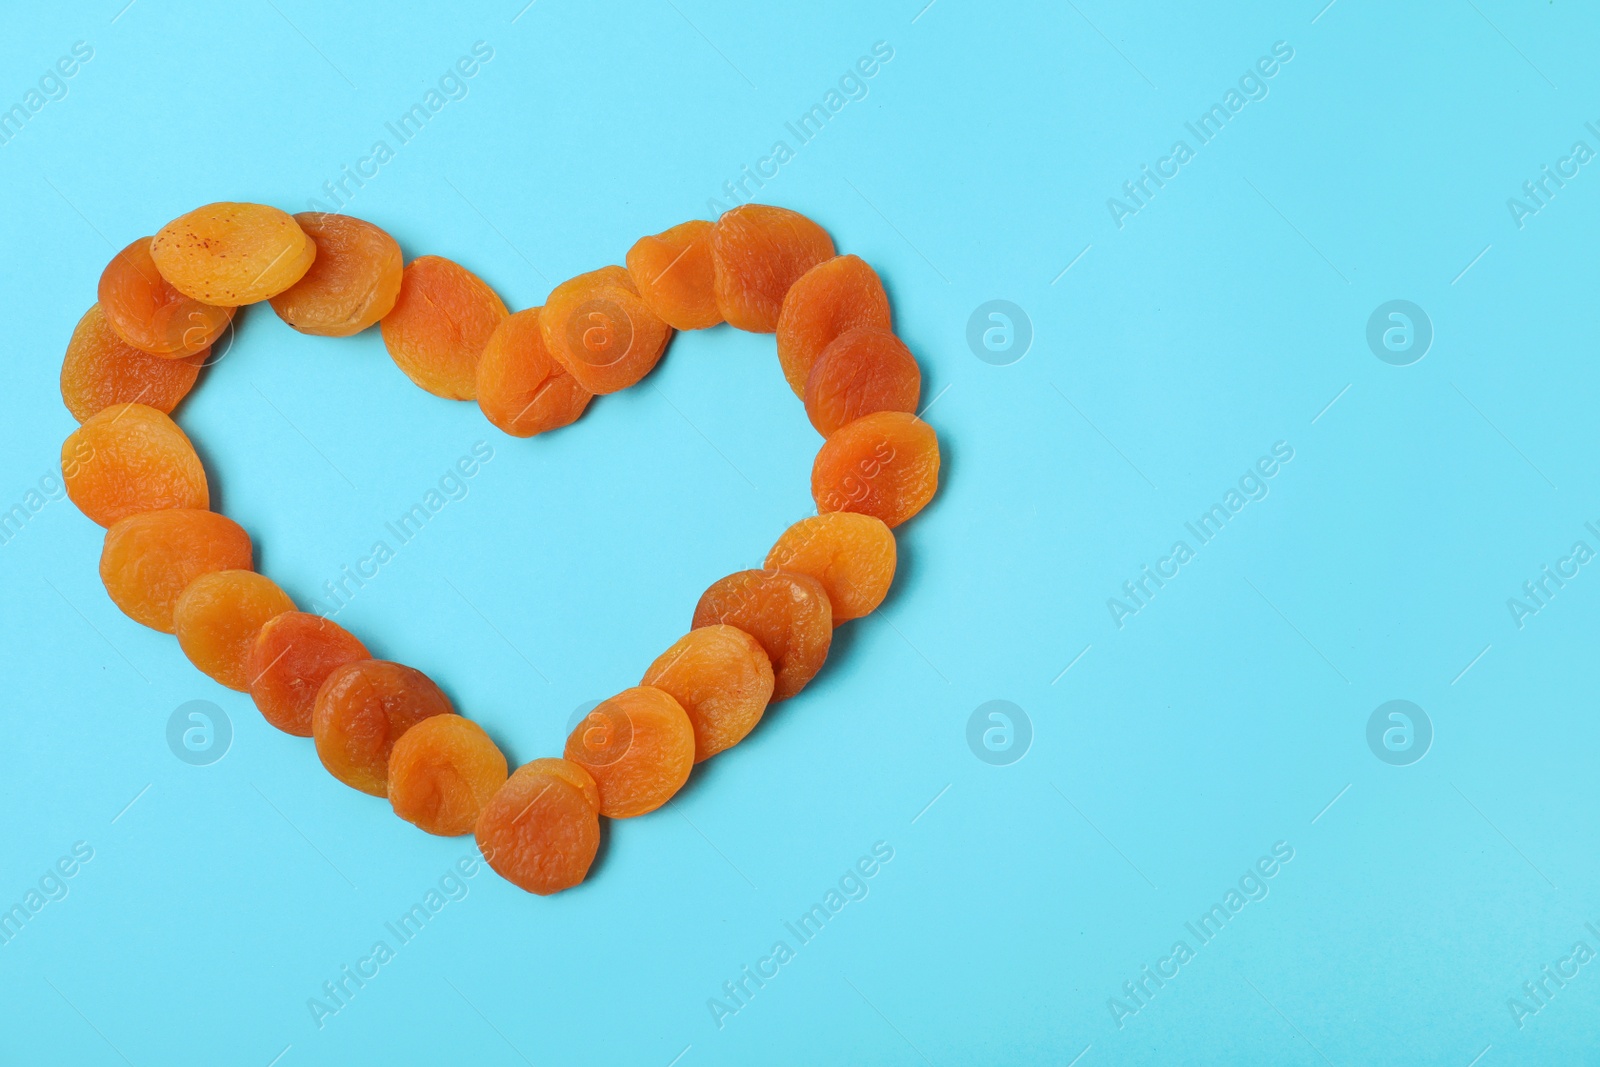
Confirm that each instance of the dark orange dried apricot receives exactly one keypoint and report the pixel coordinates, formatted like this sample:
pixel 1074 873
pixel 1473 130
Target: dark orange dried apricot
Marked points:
pixel 438 326
pixel 838 294
pixel 758 252
pixel 353 282
pixel 292 656
pixel 885 465
pixel 442 774
pixel 541 830
pixel 149 559
pixel 600 330
pixel 788 613
pixel 722 678
pixel 638 746
pixel 218 617
pixel 853 556
pixel 129 458
pixel 144 309
pixel 101 369
pixel 361 710
pixel 863 371
pixel 520 388
pixel 675 277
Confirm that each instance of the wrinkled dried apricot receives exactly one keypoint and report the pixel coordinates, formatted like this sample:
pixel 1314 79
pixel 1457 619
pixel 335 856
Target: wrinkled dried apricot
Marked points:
pixel 638 746
pixel 353 281
pixel 722 678
pixel 541 829
pixel 217 618
pixel 853 556
pixel 838 294
pixel 144 309
pixel 129 458
pixel 149 559
pixel 674 274
pixel 864 370
pixel 101 369
pixel 443 773
pixel 758 252
pixel 292 656
pixel 437 328
pixel 361 711
pixel 520 388
pixel 788 613
pixel 886 464
pixel 599 329
pixel 230 254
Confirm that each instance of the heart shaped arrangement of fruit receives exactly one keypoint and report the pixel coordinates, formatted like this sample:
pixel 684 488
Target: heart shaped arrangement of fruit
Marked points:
pixel 757 636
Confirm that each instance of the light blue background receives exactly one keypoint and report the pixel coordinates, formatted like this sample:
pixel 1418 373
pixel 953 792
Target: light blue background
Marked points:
pixel 1223 718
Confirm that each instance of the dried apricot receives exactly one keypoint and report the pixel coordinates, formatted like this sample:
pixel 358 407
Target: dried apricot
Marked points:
pixel 353 281
pixel 443 773
pixel 674 274
pixel 864 370
pixel 149 559
pixel 438 327
pixel 520 388
pixel 853 556
pixel 541 829
pixel 292 656
pixel 361 711
pixel 217 618
pixel 129 458
pixel 758 252
pixel 836 295
pixel 231 254
pixel 102 369
pixel 599 329
pixel 638 746
pixel 788 613
pixel 144 309
pixel 722 678
pixel 886 464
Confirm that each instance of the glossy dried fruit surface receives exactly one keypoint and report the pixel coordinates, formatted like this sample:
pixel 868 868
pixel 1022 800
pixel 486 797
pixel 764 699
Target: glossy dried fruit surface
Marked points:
pixel 218 617
pixel 230 254
pixel 835 296
pixel 675 277
pixel 101 369
pixel 885 465
pixel 722 678
pixel 353 282
pixel 789 614
pixel 440 324
pixel 639 748
pixel 149 559
pixel 361 710
pixel 541 829
pixel 520 388
pixel 292 656
pixel 758 252
pixel 599 329
pixel 144 309
pixel 442 774
pixel 852 555
pixel 129 458
pixel 863 371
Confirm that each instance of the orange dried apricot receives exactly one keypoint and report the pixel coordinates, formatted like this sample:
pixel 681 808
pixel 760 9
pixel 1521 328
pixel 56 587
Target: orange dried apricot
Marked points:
pixel 361 711
pixel 217 618
pixel 292 656
pixel 638 746
pixel 886 464
pixel 231 254
pixel 864 370
pixel 101 369
pixel 437 328
pixel 129 458
pixel 836 295
pixel 144 309
pixel 853 556
pixel 149 559
pixel 353 281
pixel 788 613
pixel 674 274
pixel 599 329
pixel 443 773
pixel 541 829
pixel 758 252
pixel 520 388
pixel 722 678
